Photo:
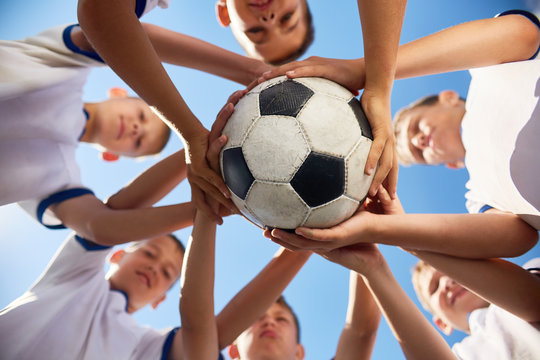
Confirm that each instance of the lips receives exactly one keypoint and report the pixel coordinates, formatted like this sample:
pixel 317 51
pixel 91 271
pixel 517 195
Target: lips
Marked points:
pixel 268 334
pixel 456 294
pixel 260 5
pixel 144 278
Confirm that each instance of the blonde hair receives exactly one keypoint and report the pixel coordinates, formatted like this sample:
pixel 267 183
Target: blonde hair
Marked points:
pixel 417 271
pixel 405 157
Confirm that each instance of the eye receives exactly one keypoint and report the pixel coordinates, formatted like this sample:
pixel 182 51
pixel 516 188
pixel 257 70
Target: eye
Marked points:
pixel 141 115
pixel 254 30
pixel 282 318
pixel 286 17
pixel 167 274
pixel 138 142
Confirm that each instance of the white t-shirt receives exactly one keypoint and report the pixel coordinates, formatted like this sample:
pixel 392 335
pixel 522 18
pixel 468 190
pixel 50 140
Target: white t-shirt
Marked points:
pixel 41 115
pixel 71 313
pixel 497 334
pixel 500 133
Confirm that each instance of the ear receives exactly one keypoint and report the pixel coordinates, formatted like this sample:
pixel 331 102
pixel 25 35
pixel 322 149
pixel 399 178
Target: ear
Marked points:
pixel 110 157
pixel 449 97
pixel 222 13
pixel 117 92
pixel 300 352
pixel 443 326
pixel 117 256
pixel 455 165
pixel 155 303
pixel 233 351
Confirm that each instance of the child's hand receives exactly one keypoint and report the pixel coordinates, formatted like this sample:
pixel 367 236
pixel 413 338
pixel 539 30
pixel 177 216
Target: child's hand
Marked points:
pixel 382 203
pixel 383 149
pixel 209 186
pixel 349 73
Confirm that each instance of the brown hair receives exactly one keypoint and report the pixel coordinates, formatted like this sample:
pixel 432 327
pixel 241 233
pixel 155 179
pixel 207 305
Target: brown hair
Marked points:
pixel 417 271
pixel 281 301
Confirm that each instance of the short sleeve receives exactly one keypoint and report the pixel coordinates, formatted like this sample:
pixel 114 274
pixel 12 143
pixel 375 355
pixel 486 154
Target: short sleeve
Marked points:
pixel 533 18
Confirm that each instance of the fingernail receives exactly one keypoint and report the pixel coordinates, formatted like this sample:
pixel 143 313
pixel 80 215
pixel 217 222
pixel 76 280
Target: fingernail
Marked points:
pixel 226 194
pixel 266 73
pixel 290 72
pixel 369 171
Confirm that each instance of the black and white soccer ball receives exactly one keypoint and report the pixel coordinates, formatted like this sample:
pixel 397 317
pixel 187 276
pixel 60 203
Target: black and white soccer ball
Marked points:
pixel 296 153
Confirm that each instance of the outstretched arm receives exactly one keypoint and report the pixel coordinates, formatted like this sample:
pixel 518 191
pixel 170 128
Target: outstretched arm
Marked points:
pixel 259 294
pixel 199 338
pixel 498 281
pixel 487 235
pixel 113 30
pixel 151 185
pixel 358 336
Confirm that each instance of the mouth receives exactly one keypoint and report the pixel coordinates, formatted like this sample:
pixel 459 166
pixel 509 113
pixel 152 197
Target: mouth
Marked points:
pixel 456 294
pixel 143 278
pixel 121 128
pixel 260 5
pixel 268 334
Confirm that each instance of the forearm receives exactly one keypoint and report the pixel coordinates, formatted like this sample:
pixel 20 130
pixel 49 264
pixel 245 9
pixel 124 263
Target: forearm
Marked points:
pixel 381 25
pixel 111 227
pixel 417 337
pixel 498 281
pixel 464 235
pixel 183 50
pixel 116 34
pixel 358 336
pixel 469 45
pixel 151 185
pixel 257 296
pixel 199 331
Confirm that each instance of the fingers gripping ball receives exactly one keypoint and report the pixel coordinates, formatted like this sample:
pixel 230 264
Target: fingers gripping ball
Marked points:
pixel 296 152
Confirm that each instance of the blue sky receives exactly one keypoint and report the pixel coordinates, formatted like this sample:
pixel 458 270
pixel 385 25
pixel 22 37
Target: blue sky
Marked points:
pixel 319 292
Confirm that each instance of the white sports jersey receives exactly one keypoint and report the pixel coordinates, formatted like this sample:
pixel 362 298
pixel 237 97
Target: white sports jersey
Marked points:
pixel 71 313
pixel 41 115
pixel 500 135
pixel 498 335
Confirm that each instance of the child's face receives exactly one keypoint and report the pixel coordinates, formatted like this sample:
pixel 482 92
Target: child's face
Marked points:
pixel 433 134
pixel 147 272
pixel 266 29
pixel 273 336
pixel 450 302
pixel 127 126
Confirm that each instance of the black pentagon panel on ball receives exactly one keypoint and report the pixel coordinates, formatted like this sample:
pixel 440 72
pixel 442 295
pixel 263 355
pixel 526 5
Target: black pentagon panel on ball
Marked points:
pixel 361 117
pixel 320 179
pixel 236 172
pixel 286 98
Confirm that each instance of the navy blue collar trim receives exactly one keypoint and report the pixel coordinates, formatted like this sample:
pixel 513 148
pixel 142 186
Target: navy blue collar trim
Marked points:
pixel 125 296
pixel 57 198
pixel 485 208
pixel 529 16
pixel 90 245
pixel 139 8
pixel 168 344
pixel 87 116
pixel 71 46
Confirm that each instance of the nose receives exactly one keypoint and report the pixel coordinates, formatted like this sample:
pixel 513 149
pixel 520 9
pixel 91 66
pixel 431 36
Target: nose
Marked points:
pixel 268 17
pixel 448 283
pixel 135 128
pixel 267 320
pixel 420 140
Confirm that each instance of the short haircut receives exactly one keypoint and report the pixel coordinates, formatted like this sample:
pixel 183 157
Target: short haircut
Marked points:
pixel 137 244
pixel 308 40
pixel 281 301
pixel 404 154
pixel 164 139
pixel 417 272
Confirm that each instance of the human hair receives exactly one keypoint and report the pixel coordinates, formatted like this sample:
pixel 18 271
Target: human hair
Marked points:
pixel 404 154
pixel 137 244
pixel 281 301
pixel 306 43
pixel 417 272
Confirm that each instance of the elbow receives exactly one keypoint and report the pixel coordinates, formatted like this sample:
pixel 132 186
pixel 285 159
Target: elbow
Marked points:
pixel 527 36
pixel 528 237
pixel 99 232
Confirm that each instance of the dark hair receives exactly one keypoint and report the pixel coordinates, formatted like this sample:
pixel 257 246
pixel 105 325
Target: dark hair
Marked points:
pixel 181 246
pixel 308 40
pixel 281 301
pixel 164 139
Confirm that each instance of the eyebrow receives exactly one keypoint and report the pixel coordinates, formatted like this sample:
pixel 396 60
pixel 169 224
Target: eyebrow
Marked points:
pixel 265 36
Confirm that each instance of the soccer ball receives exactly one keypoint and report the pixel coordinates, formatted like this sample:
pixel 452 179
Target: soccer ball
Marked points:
pixel 295 153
